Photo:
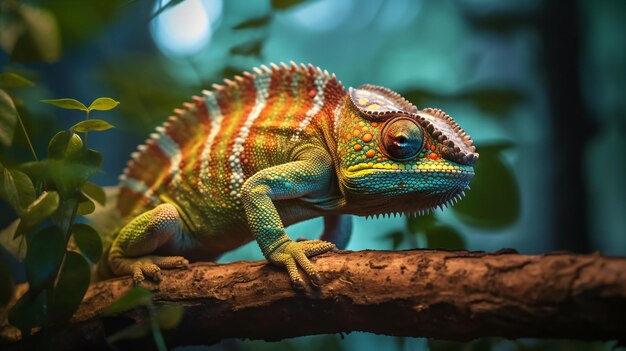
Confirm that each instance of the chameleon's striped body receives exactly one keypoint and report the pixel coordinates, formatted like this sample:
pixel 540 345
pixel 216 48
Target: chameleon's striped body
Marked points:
pixel 203 154
pixel 275 147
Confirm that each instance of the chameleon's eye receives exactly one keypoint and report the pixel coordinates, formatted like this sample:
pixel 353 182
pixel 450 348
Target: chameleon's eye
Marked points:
pixel 402 138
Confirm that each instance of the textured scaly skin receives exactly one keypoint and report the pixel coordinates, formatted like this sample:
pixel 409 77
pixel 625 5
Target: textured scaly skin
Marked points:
pixel 276 147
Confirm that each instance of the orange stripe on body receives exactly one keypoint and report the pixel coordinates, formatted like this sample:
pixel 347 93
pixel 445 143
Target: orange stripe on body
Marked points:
pixel 147 169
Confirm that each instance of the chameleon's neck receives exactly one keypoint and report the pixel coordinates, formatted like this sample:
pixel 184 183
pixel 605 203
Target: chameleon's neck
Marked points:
pixel 329 133
pixel 329 127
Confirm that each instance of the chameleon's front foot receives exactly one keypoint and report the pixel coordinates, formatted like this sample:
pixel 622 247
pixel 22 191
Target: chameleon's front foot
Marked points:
pixel 292 254
pixel 147 266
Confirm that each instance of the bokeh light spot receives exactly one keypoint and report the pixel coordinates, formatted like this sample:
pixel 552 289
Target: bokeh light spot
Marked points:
pixel 185 29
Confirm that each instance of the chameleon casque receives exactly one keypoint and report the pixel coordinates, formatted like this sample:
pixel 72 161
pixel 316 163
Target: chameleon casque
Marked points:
pixel 274 147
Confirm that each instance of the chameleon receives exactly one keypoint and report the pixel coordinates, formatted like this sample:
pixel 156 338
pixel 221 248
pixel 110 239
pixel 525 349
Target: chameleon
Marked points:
pixel 276 146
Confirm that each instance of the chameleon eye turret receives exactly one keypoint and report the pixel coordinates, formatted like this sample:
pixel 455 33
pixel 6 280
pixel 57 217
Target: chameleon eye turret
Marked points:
pixel 390 149
pixel 402 138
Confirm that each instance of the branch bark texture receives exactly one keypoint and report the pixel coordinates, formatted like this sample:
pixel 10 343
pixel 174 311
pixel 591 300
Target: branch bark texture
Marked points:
pixel 437 294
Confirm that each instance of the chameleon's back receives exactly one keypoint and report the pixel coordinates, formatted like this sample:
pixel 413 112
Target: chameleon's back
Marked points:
pixel 200 158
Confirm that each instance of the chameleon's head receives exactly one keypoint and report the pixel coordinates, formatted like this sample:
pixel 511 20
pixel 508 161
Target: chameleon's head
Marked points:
pixel 396 158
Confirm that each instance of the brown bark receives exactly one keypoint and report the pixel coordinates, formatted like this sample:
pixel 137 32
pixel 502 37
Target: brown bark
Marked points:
pixel 438 294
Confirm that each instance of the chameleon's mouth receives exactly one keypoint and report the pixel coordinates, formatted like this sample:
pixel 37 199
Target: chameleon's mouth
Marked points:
pixel 443 171
pixel 414 191
pixel 445 200
pixel 435 170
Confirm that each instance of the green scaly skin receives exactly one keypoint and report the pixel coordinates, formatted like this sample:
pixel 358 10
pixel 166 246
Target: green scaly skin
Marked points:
pixel 295 146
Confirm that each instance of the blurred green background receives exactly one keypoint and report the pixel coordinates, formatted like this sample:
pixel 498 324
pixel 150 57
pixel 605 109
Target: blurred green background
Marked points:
pixel 538 84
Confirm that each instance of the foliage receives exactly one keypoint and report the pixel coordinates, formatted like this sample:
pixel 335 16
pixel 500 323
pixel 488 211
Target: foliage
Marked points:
pixel 162 317
pixel 48 195
pixel 30 34
pixel 494 200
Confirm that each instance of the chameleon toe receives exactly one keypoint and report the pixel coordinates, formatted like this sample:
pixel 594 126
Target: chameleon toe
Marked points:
pixel 296 253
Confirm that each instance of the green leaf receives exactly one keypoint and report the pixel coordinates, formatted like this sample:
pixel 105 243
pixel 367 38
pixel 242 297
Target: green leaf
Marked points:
pixel 136 296
pixel 88 241
pixel 94 16
pixel 497 101
pixel 91 125
pixel 169 316
pixel 85 205
pixel 494 200
pixel 254 22
pixel 396 239
pixel 44 255
pixel 103 104
pixel 493 100
pixel 41 208
pixel 70 288
pixel 69 177
pixel 65 145
pixel 230 71
pixel 68 104
pixel 134 331
pixel 16 188
pixel 7 284
pixel 285 4
pixel 420 224
pixel 93 158
pixel 29 311
pixel 16 246
pixel 95 192
pixel 25 189
pixel 252 48
pixel 13 80
pixel 444 237
pixel 40 40
pixel 422 96
pixel 8 119
pixel 66 176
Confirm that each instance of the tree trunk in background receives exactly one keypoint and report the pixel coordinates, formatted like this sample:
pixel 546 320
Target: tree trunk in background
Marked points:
pixel 572 126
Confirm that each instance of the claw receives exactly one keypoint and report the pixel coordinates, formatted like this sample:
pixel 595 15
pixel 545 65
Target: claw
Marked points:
pixel 150 267
pixel 138 278
pixel 298 284
pixel 316 279
pixel 297 253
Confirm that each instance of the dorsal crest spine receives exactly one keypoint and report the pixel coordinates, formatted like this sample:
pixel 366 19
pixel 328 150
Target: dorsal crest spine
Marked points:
pixel 194 128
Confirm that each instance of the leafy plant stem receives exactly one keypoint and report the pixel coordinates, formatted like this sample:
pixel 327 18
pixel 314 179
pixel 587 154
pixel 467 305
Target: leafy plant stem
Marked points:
pixel 68 230
pixel 86 119
pixel 68 233
pixel 156 331
pixel 32 149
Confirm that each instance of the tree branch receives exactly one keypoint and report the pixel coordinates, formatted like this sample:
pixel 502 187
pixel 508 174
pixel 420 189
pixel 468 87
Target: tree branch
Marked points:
pixel 437 294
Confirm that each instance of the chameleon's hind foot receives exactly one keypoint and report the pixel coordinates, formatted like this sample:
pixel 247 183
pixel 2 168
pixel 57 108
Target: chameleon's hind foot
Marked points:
pixel 296 253
pixel 150 266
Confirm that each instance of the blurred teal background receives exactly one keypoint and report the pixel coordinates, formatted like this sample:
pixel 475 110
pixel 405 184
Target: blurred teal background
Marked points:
pixel 538 84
